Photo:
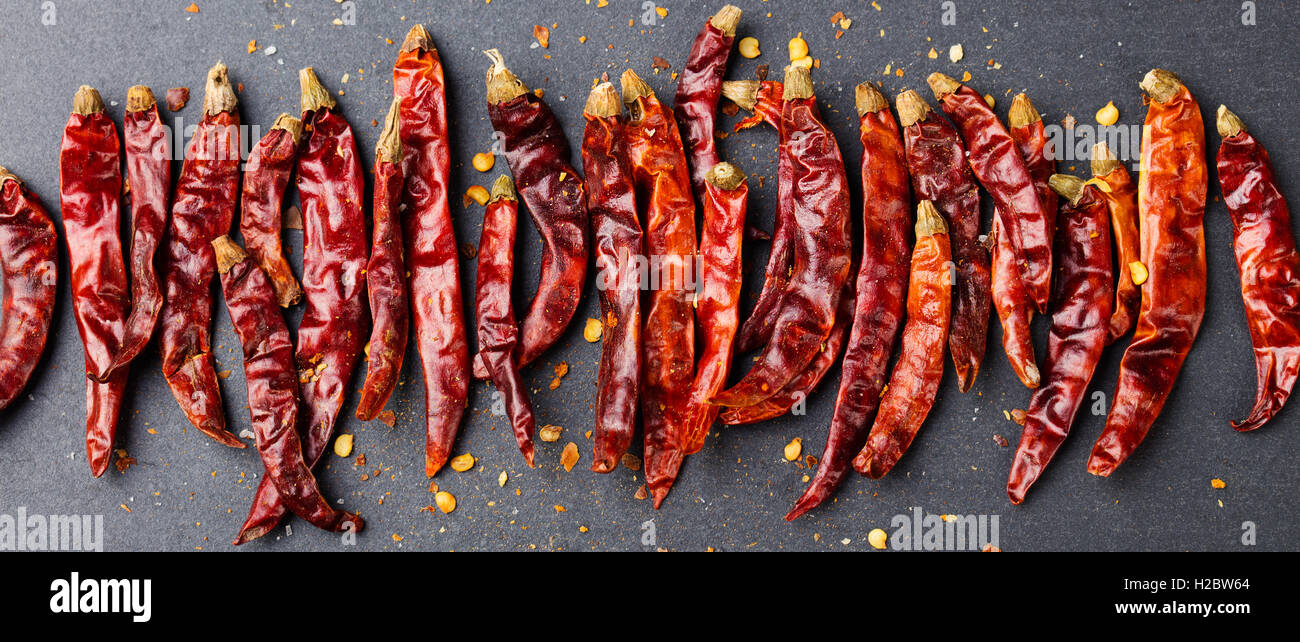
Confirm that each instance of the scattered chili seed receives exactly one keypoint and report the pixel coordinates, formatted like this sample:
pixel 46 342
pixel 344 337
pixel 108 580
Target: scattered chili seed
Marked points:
pixel 343 445
pixel 956 53
pixel 593 330
pixel 550 433
pixel 446 501
pixel 793 449
pixel 502 479
pixel 1139 272
pixel 748 47
pixel 462 463
pixel 640 493
pixel 878 539
pixel 798 48
pixel 1108 115
pixel 484 161
pixel 476 194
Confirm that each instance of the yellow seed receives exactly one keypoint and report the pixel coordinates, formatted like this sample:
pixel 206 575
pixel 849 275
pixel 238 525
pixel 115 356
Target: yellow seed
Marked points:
pixel 956 53
pixel 549 433
pixel 806 62
pixel 502 478
pixel 1108 115
pixel 446 501
pixel 478 194
pixel 988 98
pixel 749 47
pixel 877 538
pixel 484 161
pixel 798 48
pixel 462 463
pixel 343 445
pixel 793 449
pixel 1138 272
pixel 593 330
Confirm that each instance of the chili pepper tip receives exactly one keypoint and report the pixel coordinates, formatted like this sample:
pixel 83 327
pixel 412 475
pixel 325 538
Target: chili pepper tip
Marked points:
pixel 798 83
pixel 726 19
pixel 229 254
pixel 503 188
pixel 742 92
pixel 603 101
pixel 502 84
pixel 1161 84
pixel 314 95
pixel 868 99
pixel 942 84
pixel 140 98
pixel 1022 112
pixel 1070 187
pixel 1103 160
pixel 417 38
pixel 389 147
pixel 1228 123
pixel 218 95
pixel 928 220
pixel 87 101
pixel 634 87
pixel 911 107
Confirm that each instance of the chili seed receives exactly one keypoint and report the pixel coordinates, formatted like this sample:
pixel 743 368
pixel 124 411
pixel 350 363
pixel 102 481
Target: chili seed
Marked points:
pixel 593 330
pixel 793 449
pixel 478 194
pixel 749 47
pixel 446 501
pixel 484 161
pixel 549 433
pixel 878 539
pixel 462 463
pixel 1108 115
pixel 1138 272
pixel 343 445
pixel 798 48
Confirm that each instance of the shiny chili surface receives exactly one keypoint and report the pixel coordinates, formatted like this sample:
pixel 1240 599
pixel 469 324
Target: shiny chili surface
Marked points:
pixel 266 176
pixel 29 270
pixel 1121 200
pixel 695 105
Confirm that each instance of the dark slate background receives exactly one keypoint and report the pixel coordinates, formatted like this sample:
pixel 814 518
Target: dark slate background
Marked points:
pixel 188 493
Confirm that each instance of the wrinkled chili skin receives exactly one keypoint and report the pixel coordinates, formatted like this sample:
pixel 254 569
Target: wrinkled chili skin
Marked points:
pixel 617 238
pixel 1122 203
pixel 273 395
pixel 498 336
pixel 432 260
pixel 266 176
pixel 203 209
pixel 878 312
pixel 538 155
pixel 695 104
pixel 1171 204
pixel 90 189
pixel 29 268
pixel 1270 270
pixel 148 164
pixel 915 380
pixel 936 158
pixel 999 167
pixel 1082 296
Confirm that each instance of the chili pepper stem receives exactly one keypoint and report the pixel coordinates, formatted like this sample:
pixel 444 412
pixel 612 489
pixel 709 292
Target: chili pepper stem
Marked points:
pixel 1103 160
pixel 1228 123
pixel 1022 112
pixel 139 98
pixel 218 95
pixel 942 84
pixel 868 99
pixel 1070 187
pixel 228 253
pixel 87 101
pixel 726 19
pixel 911 107
pixel 742 92
pixel 389 147
pixel 1161 85
pixel 725 176
pixel 798 83
pixel 417 39
pixel 314 95
pixel 603 101
pixel 502 84
pixel 291 124
pixel 634 87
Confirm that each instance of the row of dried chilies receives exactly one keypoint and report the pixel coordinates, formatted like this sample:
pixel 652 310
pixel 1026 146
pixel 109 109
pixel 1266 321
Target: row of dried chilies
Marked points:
pixel 929 279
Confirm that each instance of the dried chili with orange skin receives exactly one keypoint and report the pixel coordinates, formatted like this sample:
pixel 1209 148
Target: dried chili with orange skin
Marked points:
pixel 432 258
pixel 937 160
pixel 538 155
pixel 663 184
pixel 696 103
pixel 273 387
pixel 30 273
pixel 90 190
pixel 1121 200
pixel 203 209
pixel 386 274
pixel 881 293
pixel 616 241
pixel 1000 169
pixel 915 380
pixel 333 328
pixel 149 173
pixel 1171 207
pixel 717 303
pixel 498 335
pixel 820 259
pixel 1268 262
pixel 266 176
pixel 1081 309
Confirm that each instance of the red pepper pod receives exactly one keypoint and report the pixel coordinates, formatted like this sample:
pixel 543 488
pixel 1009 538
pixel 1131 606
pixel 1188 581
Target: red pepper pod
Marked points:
pixel 203 209
pixel 1121 201
pixel 498 336
pixel 936 159
pixel 432 257
pixel 1082 296
pixel 273 387
pixel 663 185
pixel 148 164
pixel 881 292
pixel 696 103
pixel 915 380
pixel 717 303
pixel 1268 262
pixel 617 238
pixel 1000 169
pixel 90 192
pixel 386 274
pixel 266 177
pixel 538 155
pixel 822 248
pixel 29 279
pixel 1171 207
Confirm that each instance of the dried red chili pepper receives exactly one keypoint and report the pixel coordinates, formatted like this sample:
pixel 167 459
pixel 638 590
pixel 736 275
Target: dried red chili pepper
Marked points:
pixel 717 303
pixel 819 266
pixel 696 103
pixel 538 155
pixel 90 189
pixel 432 258
pixel 915 380
pixel 149 172
pixel 1171 207
pixel 663 183
pixel 203 209
pixel 937 161
pixel 1268 262
pixel 1001 170
pixel 881 282
pixel 498 336
pixel 30 273
pixel 266 176
pixel 333 328
pixel 1081 306
pixel 273 387
pixel 611 203
pixel 1121 200
pixel 386 274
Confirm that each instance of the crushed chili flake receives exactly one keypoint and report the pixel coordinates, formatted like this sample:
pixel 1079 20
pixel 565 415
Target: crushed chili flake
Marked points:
pixel 569 458
pixel 761 72
pixel 193 8
pixel 388 417
pixel 177 97
pixel 631 461
pixel 641 492
pixel 660 63
pixel 469 251
pixel 543 35
pixel 1218 483
pixel 291 219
